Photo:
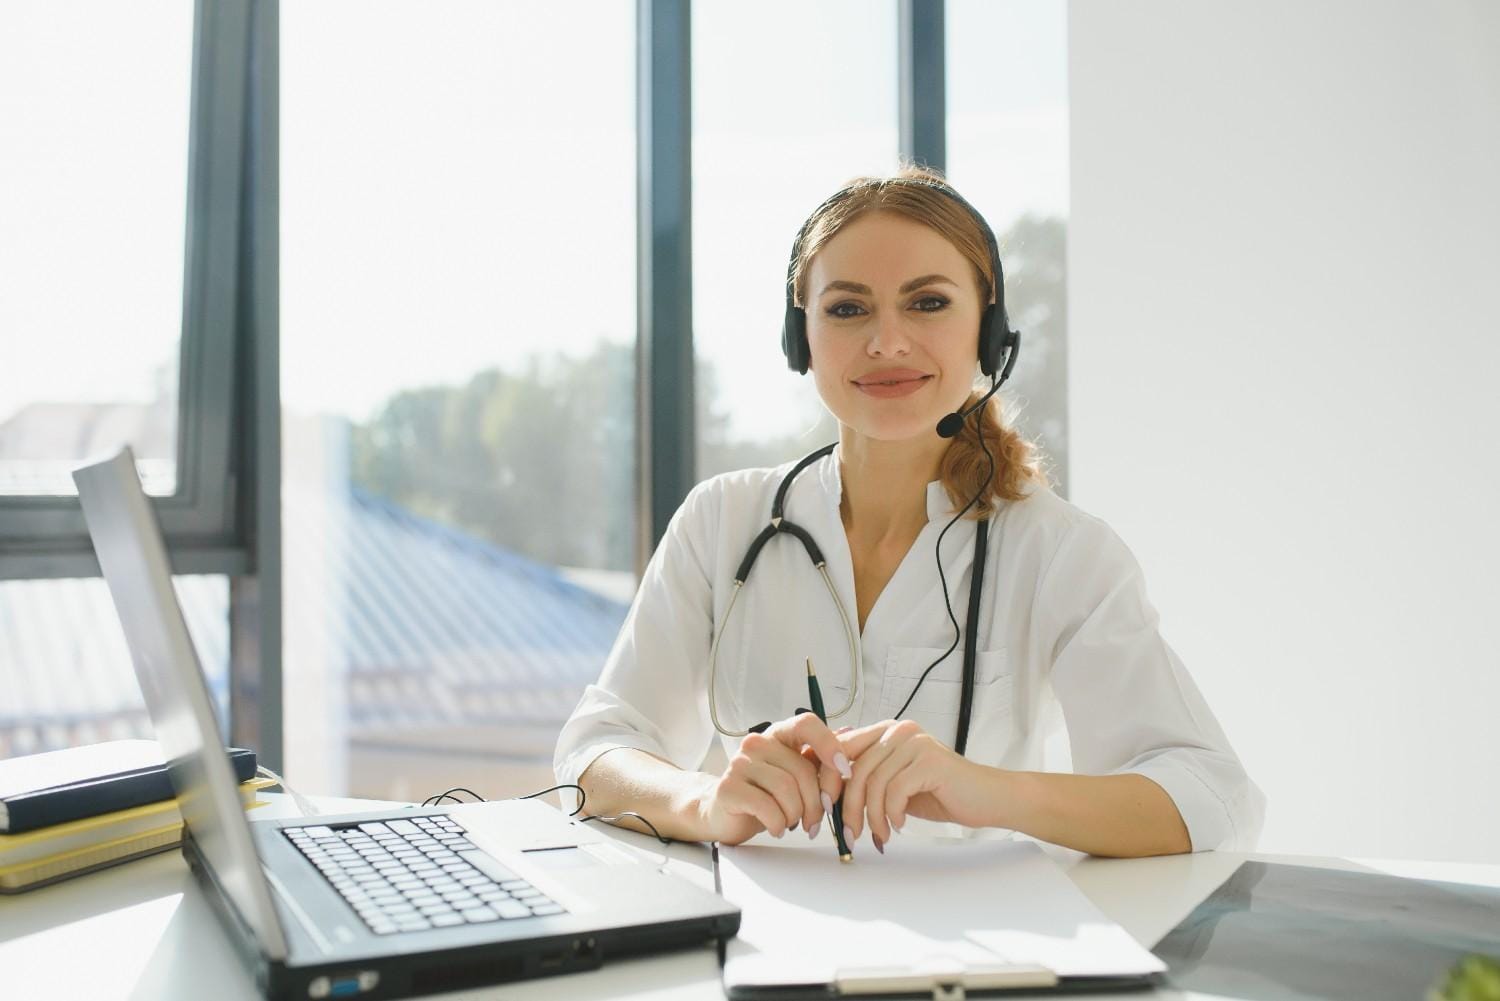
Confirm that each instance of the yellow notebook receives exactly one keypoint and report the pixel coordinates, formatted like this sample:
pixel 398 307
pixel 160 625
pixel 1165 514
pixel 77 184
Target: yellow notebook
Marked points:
pixel 50 854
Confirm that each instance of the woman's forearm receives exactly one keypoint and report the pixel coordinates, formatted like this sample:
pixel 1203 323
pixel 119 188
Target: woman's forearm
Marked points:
pixel 629 779
pixel 1120 816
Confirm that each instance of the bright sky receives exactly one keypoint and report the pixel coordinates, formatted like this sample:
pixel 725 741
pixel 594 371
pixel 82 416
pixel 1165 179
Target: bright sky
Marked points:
pixel 458 189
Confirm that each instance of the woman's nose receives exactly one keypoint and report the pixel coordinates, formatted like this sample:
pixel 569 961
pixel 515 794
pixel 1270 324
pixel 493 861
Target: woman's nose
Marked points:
pixel 888 338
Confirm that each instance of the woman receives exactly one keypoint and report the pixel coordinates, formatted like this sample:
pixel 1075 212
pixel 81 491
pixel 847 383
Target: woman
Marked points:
pixel 894 290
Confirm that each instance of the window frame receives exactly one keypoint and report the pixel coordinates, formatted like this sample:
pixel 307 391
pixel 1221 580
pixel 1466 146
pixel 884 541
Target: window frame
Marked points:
pixel 44 536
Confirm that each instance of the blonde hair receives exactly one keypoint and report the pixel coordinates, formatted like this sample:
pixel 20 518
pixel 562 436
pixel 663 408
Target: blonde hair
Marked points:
pixel 964 468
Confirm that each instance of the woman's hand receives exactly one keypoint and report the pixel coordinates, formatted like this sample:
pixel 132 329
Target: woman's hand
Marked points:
pixel 780 779
pixel 901 770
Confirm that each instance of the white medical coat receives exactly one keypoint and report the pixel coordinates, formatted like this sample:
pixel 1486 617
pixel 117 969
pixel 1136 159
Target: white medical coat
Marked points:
pixel 1064 622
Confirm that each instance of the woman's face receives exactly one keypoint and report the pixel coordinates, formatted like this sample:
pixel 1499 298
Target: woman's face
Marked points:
pixel 892 325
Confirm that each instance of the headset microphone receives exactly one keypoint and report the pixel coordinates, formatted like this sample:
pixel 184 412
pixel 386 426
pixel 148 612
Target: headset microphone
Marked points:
pixel 950 426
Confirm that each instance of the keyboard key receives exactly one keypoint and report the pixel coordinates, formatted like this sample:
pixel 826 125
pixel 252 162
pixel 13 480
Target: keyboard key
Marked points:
pixel 511 909
pixel 494 870
pixel 375 828
pixel 383 928
pixel 515 884
pixel 541 910
pixel 477 915
pixel 403 827
pixel 413 924
pixel 437 908
pixel 446 920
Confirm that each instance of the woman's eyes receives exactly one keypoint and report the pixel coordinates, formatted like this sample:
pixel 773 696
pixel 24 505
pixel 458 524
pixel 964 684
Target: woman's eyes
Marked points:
pixel 926 304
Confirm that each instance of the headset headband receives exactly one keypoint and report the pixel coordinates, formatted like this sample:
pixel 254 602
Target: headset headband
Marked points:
pixel 995 335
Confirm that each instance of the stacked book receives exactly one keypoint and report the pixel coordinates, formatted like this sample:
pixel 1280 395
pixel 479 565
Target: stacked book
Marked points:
pixel 65 813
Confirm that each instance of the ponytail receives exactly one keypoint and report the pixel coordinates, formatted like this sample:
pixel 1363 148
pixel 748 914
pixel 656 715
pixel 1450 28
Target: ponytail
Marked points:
pixel 964 467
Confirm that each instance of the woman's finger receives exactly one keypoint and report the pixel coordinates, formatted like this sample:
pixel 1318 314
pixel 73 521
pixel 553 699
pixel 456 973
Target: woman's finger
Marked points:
pixel 896 763
pixel 860 739
pixel 806 728
pixel 778 753
pixel 739 798
pixel 898 793
pixel 865 765
pixel 830 788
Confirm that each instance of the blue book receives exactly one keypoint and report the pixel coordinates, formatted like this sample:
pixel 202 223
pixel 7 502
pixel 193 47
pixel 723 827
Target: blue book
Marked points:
pixel 39 790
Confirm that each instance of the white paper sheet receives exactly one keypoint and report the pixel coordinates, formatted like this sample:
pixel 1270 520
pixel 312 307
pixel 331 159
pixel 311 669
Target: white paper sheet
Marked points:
pixel 923 904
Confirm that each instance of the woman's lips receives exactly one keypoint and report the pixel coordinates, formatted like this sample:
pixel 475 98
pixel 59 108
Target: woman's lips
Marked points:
pixel 897 382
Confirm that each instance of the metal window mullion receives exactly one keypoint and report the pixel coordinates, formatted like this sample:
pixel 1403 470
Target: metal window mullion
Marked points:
pixel 664 268
pixel 254 491
pixel 923 94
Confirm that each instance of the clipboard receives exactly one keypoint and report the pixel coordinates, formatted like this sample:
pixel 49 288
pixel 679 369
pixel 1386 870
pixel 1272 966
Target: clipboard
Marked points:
pixel 943 918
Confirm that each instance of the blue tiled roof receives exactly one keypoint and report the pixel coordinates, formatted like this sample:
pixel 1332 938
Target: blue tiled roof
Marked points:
pixel 430 626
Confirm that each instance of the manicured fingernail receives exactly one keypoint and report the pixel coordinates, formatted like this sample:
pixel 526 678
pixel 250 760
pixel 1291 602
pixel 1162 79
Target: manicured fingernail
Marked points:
pixel 827 802
pixel 842 764
pixel 812 835
pixel 895 829
pixel 848 835
pixel 878 846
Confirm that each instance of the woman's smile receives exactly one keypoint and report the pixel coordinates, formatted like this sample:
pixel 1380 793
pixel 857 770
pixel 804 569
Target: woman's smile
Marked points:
pixel 892 382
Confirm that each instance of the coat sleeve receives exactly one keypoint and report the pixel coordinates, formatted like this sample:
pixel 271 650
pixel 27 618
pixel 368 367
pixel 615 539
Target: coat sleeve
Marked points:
pixel 1129 703
pixel 652 693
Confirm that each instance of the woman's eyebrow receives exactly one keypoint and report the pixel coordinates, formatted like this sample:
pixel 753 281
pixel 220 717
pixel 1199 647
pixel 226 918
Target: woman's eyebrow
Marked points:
pixel 915 283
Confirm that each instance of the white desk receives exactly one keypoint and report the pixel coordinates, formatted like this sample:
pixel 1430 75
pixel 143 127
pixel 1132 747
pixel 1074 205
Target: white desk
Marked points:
pixel 144 931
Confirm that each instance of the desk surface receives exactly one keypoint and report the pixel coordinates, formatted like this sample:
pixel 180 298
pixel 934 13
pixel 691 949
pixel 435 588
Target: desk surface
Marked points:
pixel 144 931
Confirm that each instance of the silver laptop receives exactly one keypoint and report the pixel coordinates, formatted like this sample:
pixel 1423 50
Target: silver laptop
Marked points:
pixel 383 904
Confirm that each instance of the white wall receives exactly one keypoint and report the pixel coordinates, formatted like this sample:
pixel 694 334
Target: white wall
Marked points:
pixel 1284 272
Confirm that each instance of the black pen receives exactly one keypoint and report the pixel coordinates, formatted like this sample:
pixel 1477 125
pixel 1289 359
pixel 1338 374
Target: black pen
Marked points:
pixel 816 695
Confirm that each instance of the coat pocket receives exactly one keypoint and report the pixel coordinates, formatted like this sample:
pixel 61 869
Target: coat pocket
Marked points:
pixel 937 697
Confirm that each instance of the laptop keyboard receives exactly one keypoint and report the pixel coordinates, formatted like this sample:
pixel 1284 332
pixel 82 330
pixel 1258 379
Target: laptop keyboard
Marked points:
pixel 417 874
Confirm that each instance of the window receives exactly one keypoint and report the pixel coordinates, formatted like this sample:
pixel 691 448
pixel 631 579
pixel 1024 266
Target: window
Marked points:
pixel 769 143
pixel 92 215
pixel 1008 153
pixel 68 679
pixel 458 385
pixel 95 352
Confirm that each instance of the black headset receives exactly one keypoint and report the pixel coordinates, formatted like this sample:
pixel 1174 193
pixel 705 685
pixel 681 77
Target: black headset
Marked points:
pixel 995 336
pixel 999 347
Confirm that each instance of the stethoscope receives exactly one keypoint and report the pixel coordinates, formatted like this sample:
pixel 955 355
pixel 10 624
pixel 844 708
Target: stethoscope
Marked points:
pixel 779 525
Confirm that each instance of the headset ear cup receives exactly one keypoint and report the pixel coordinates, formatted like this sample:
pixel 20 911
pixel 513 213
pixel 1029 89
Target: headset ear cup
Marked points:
pixel 794 340
pixel 991 339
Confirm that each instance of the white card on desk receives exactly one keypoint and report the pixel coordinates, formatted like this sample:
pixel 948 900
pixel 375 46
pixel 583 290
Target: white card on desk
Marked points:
pixel 971 904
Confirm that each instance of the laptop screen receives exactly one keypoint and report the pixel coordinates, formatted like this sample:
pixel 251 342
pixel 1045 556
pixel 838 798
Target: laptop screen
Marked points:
pixel 128 541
